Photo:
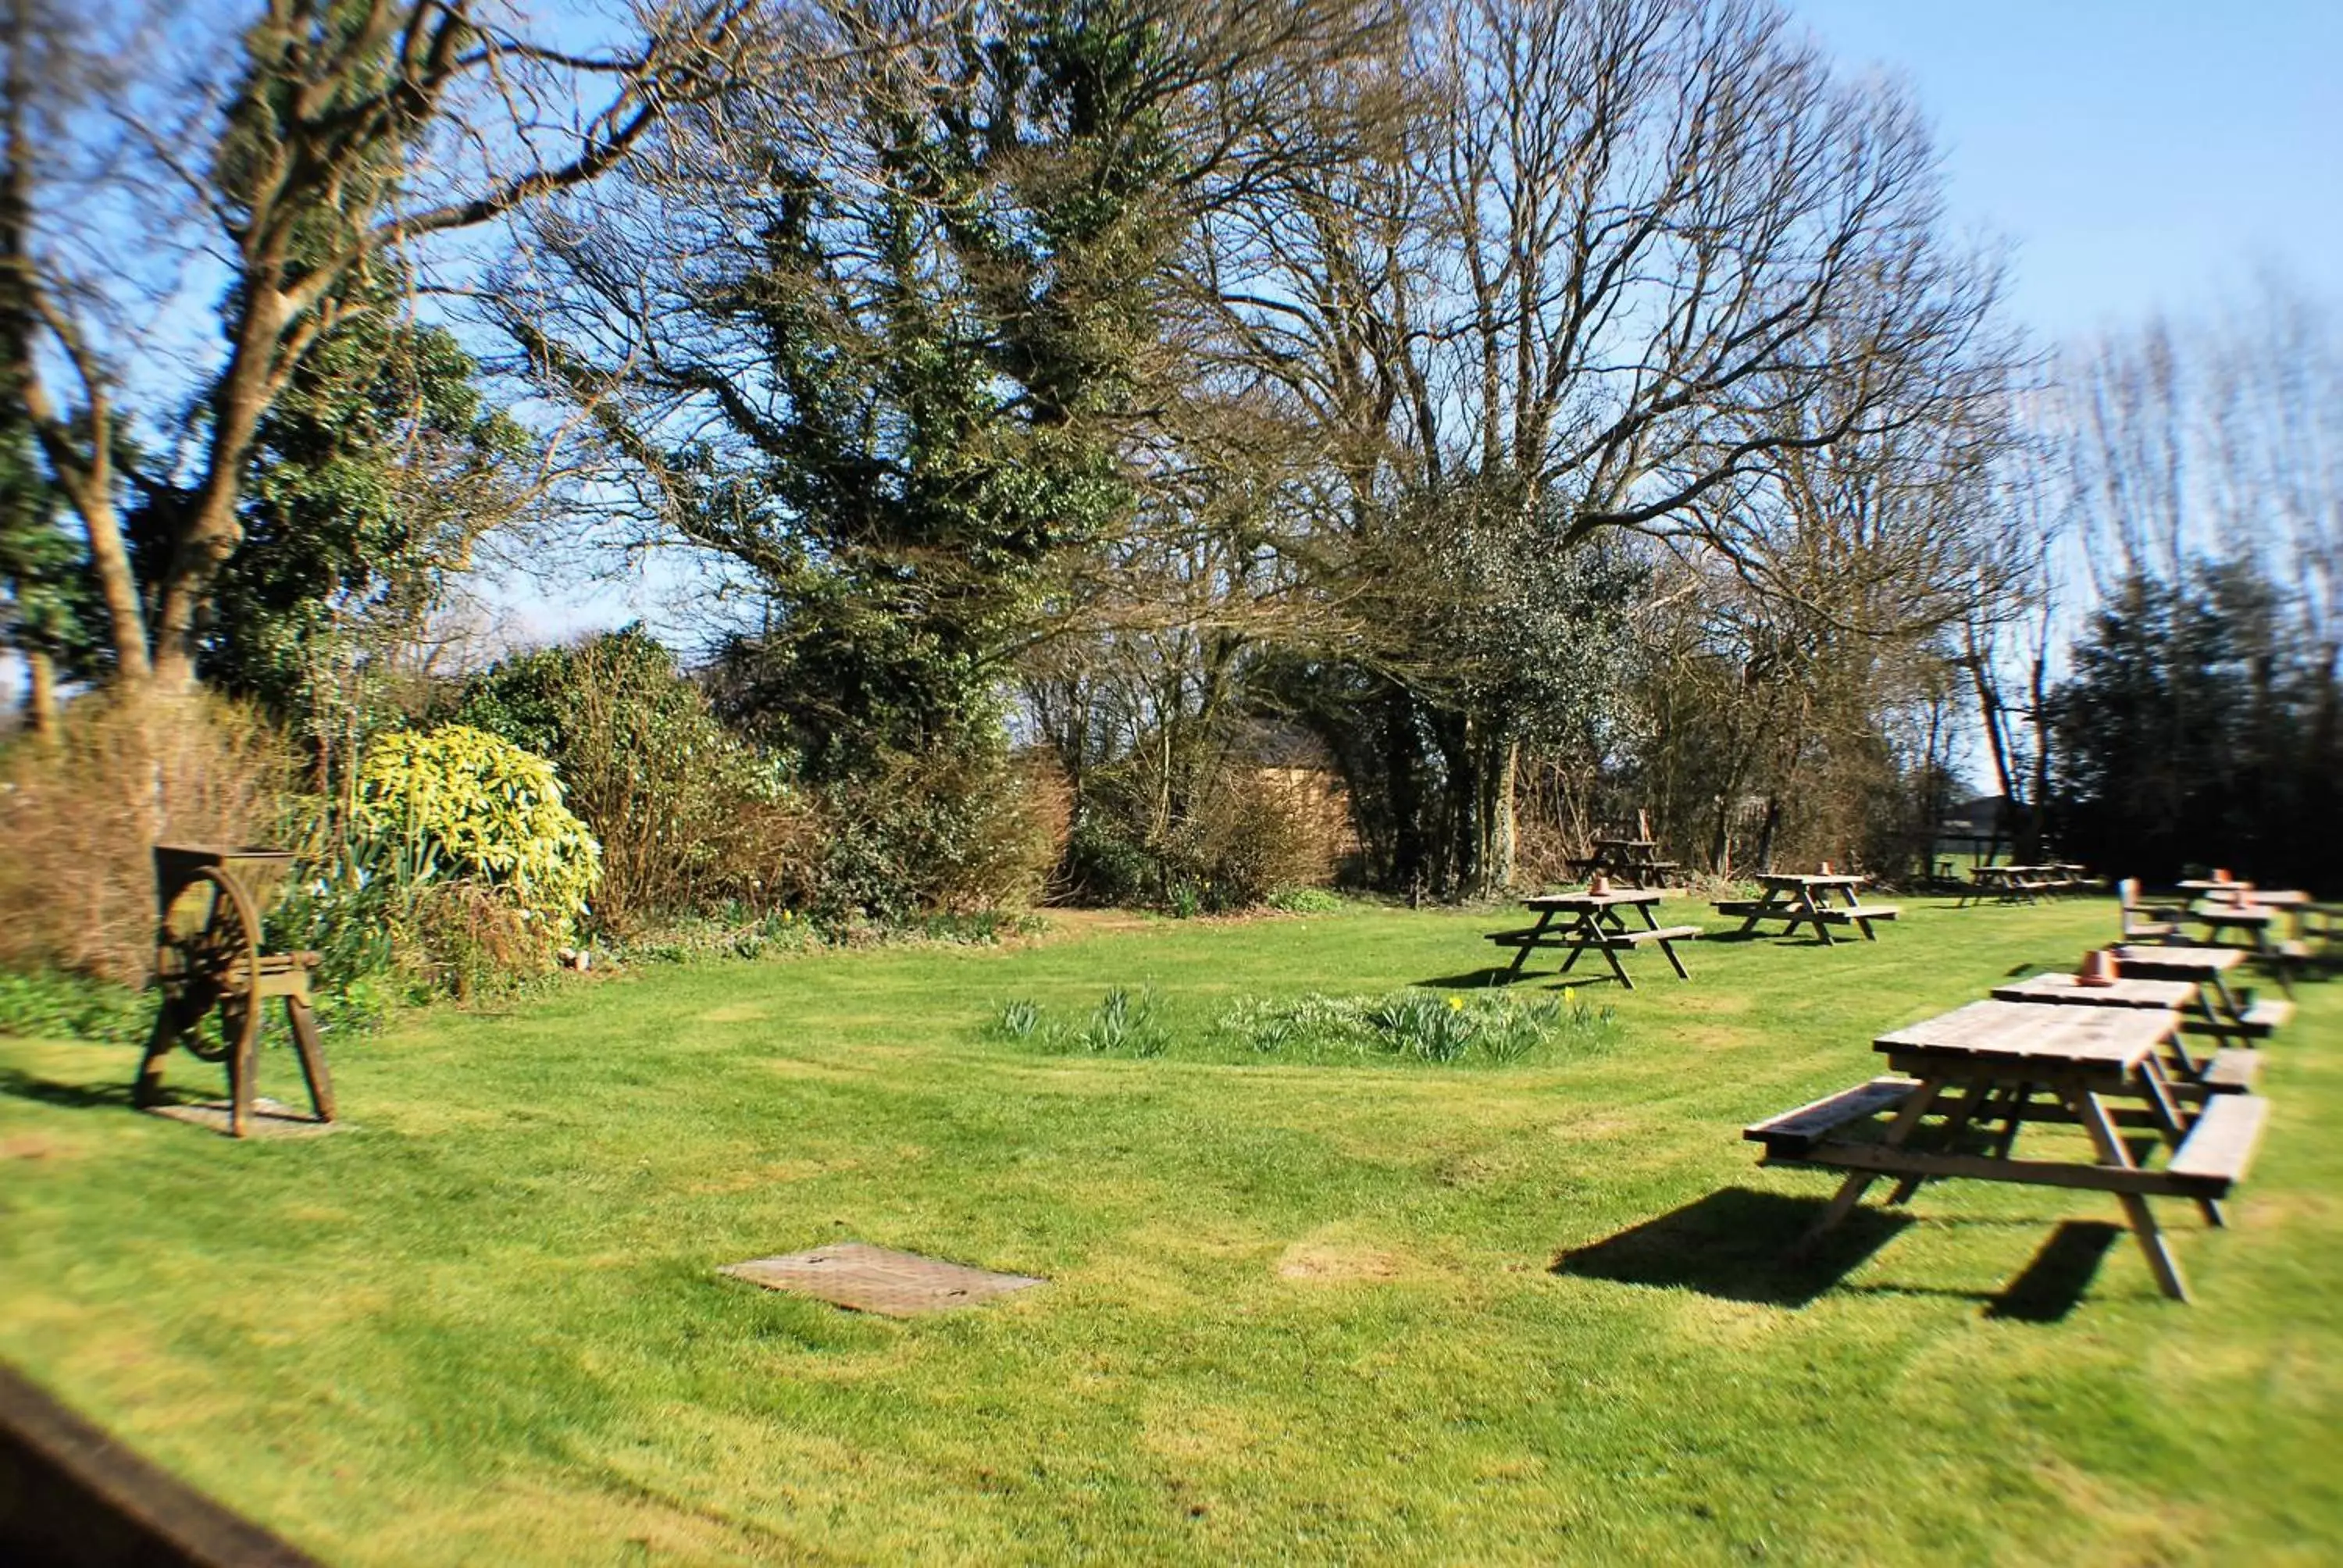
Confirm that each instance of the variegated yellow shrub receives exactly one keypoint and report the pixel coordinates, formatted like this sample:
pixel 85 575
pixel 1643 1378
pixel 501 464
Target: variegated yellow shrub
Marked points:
pixel 461 804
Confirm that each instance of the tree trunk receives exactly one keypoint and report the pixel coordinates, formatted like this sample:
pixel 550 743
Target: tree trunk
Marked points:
pixel 40 691
pixel 1402 758
pixel 1765 833
pixel 1507 847
pixel 86 477
pixel 212 530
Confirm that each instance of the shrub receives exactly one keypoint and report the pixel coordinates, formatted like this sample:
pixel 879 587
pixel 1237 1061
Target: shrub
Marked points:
pixel 1018 1019
pixel 1245 834
pixel 1487 1027
pixel 952 833
pixel 71 1007
pixel 81 809
pixel 1105 865
pixel 1252 833
pixel 688 815
pixel 459 805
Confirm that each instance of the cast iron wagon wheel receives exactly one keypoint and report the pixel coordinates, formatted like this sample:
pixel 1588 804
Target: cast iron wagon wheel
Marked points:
pixel 207 961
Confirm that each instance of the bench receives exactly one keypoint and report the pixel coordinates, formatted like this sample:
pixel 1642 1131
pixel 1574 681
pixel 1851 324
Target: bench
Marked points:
pixel 2214 1155
pixel 1637 939
pixel 1848 914
pixel 2230 1071
pixel 1794 1134
pixel 1750 907
pixel 2288 960
pixel 2259 1021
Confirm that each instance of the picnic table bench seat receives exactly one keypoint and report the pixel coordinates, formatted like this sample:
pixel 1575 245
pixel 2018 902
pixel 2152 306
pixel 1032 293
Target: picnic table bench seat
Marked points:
pixel 2230 1071
pixel 2260 1021
pixel 1656 934
pixel 2213 1157
pixel 2216 1154
pixel 1793 1135
pixel 1847 913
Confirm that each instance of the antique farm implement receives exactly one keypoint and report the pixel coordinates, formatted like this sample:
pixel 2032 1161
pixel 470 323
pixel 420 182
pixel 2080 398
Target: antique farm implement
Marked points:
pixel 217 982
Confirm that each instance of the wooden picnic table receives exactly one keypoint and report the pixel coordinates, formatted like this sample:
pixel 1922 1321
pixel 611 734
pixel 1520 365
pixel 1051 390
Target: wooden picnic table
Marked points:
pixel 2025 884
pixel 2221 1072
pixel 2006 884
pixel 2209 970
pixel 1796 899
pixel 1634 861
pixel 1983 1067
pixel 1596 920
pixel 2251 921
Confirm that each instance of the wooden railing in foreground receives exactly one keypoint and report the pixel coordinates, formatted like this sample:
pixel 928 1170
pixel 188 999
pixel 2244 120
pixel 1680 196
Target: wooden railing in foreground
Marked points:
pixel 73 1497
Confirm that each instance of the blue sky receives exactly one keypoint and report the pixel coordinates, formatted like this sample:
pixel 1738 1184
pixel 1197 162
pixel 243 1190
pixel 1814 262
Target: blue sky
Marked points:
pixel 2138 155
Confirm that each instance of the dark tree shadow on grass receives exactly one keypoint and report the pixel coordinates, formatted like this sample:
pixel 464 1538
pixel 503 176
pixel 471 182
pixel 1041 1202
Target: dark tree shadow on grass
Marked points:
pixel 22 1085
pixel 1739 1245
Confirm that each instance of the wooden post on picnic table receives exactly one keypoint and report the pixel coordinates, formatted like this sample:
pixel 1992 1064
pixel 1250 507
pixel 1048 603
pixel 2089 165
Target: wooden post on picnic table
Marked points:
pixel 1642 825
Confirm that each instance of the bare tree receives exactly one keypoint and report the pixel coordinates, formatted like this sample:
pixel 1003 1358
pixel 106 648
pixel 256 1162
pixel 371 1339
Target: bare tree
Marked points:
pixel 1641 265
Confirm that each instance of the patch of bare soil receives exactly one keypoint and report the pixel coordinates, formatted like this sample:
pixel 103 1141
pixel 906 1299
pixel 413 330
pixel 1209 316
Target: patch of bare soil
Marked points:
pixel 1319 1262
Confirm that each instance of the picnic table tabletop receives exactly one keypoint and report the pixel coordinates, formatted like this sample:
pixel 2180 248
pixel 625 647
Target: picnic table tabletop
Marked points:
pixel 1586 901
pixel 1810 880
pixel 2248 912
pixel 2126 991
pixel 2178 958
pixel 1999 1039
pixel 1626 843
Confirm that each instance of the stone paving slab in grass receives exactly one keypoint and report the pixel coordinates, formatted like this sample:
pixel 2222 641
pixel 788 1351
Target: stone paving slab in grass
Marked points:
pixel 879 1279
pixel 268 1119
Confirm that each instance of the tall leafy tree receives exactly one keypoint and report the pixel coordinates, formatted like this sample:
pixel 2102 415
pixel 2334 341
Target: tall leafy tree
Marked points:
pixel 909 310
pixel 372 477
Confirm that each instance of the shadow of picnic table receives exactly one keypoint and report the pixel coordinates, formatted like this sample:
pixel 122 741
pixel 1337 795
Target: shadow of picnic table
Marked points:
pixel 1739 1245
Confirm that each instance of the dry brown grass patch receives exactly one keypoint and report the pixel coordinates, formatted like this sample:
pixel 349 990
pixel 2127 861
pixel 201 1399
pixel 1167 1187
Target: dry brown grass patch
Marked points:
pixel 80 812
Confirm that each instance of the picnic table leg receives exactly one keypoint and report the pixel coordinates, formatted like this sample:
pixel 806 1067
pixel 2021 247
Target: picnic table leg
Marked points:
pixel 2014 1103
pixel 1575 937
pixel 1522 954
pixel 1814 916
pixel 1861 923
pixel 1652 923
pixel 2160 1261
pixel 1749 926
pixel 1971 1102
pixel 1850 1192
pixel 2166 1112
pixel 2229 1007
pixel 1610 952
pixel 2180 1046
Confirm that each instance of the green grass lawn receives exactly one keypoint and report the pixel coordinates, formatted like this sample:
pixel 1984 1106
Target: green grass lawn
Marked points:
pixel 1294 1311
